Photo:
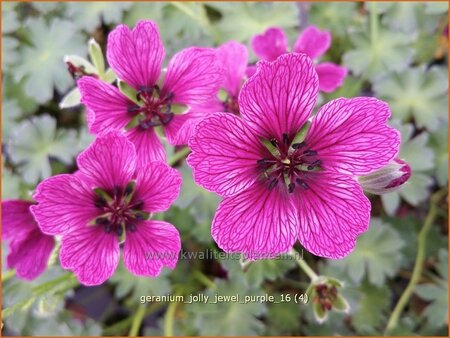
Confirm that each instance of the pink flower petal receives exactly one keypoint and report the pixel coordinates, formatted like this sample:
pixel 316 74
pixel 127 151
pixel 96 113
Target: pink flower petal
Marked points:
pixel 17 220
pixel 258 222
pixel 136 56
pixel 193 76
pixel 182 126
pixel 106 105
pixel 148 146
pixel 271 44
pixel 331 76
pixel 251 70
pixel 180 129
pixel 64 202
pixel 233 57
pixel 157 185
pixel 313 42
pixel 29 255
pixel 109 161
pixel 279 98
pixel 351 135
pixel 333 211
pixel 224 154
pixel 91 253
pixel 152 246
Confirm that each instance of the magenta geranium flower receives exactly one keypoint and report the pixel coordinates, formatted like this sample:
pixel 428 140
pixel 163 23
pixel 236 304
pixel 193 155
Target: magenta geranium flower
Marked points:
pixel 192 79
pixel 279 186
pixel 233 57
pixel 109 201
pixel 29 248
pixel 312 41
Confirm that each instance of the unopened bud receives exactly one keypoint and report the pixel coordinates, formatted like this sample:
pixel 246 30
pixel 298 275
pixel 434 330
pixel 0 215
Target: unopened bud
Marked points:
pixel 387 179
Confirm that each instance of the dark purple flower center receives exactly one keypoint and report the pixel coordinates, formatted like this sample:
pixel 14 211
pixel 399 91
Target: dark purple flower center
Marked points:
pixel 288 164
pixel 120 210
pixel 155 109
pixel 231 105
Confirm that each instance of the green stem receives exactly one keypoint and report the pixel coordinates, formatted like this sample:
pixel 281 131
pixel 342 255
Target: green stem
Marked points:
pixel 7 275
pixel 204 280
pixel 304 266
pixel 418 265
pixel 137 321
pixel 170 315
pixel 182 153
pixel 119 328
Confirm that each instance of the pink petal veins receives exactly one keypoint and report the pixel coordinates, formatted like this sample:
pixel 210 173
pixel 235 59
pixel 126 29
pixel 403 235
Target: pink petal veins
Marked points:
pixel 136 55
pixel 279 98
pixel 352 136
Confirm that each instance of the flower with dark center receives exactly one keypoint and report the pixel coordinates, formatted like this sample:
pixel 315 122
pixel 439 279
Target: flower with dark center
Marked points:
pixel 284 178
pixel 174 100
pixel 108 202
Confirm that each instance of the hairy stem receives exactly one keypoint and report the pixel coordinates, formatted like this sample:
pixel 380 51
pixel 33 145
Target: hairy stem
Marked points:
pixel 170 315
pixel 304 266
pixel 182 153
pixel 418 265
pixel 137 321
pixel 200 276
pixel 122 326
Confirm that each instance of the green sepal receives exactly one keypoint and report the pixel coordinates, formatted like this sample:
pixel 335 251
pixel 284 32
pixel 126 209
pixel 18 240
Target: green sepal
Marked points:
pixel 103 194
pixel 134 122
pixel 222 95
pixel 334 282
pixel 301 135
pixel 71 99
pixel 310 290
pixel 96 54
pixel 270 147
pixel 178 108
pixel 82 63
pixel 340 304
pixel 319 313
pixel 129 191
pixel 128 91
pixel 109 76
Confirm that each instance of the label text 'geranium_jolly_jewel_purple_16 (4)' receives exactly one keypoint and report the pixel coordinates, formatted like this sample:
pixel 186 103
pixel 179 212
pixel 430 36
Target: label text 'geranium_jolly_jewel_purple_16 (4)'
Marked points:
pixel 285 176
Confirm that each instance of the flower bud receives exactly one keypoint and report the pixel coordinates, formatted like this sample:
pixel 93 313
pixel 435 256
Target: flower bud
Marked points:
pixel 387 179
pixel 325 296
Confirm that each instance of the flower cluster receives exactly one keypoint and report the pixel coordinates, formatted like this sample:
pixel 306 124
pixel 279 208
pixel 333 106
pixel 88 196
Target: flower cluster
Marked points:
pixel 283 175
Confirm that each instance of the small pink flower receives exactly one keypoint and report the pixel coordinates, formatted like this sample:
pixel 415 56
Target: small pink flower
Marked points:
pixel 279 187
pixel 193 77
pixel 107 202
pixel 30 249
pixel 312 41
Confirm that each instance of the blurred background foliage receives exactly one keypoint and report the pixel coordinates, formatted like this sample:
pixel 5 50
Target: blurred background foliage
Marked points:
pixel 395 51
